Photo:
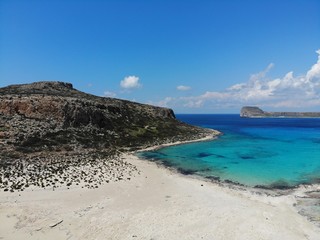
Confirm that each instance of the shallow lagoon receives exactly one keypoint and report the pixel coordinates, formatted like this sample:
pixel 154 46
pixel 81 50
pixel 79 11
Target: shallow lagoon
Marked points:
pixel 272 152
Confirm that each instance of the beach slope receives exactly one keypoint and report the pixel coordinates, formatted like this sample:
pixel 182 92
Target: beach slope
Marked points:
pixel 155 204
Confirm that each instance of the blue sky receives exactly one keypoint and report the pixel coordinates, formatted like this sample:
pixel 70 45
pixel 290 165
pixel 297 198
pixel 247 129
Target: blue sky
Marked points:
pixel 193 56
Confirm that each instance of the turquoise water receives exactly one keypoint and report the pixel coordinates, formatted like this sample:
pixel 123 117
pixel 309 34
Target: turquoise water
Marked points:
pixel 273 152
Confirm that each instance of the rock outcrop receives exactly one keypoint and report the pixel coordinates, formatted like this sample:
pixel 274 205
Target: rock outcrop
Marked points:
pixel 54 115
pixel 60 102
pixel 255 112
pixel 50 132
pixel 251 112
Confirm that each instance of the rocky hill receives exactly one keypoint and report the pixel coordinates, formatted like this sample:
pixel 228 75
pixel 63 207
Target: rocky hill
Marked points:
pixel 255 112
pixel 48 124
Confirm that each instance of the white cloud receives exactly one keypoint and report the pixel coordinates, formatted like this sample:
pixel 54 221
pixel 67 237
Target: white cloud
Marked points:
pixel 289 91
pixel 262 74
pixel 314 72
pixel 109 94
pixel 165 102
pixel 130 82
pixel 183 88
pixel 199 101
pixel 237 87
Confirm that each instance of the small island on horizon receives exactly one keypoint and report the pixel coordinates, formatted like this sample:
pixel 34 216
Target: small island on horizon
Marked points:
pixel 69 167
pixel 256 112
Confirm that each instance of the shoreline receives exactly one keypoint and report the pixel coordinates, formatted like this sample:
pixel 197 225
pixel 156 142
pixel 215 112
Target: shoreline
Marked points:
pixel 155 203
pixel 214 135
pixel 302 193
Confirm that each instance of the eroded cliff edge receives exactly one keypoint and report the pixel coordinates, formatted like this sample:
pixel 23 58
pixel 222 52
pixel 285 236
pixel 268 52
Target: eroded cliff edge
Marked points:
pixel 51 122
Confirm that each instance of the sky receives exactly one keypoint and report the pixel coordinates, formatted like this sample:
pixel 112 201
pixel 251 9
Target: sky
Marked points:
pixel 189 55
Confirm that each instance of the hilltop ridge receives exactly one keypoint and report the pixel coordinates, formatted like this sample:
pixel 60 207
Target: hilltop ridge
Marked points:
pixel 50 126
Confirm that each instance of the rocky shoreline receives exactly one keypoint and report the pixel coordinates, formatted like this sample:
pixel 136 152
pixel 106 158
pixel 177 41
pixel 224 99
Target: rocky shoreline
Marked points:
pixel 85 168
pixel 306 196
pixel 52 136
pixel 155 204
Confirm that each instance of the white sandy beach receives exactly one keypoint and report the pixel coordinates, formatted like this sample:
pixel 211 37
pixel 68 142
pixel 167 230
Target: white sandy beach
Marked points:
pixel 156 204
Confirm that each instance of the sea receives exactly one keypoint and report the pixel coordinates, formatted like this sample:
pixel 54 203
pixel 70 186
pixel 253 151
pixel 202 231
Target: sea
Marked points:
pixel 255 152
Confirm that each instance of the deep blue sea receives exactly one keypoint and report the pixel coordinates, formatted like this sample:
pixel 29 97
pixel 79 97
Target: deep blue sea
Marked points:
pixel 270 152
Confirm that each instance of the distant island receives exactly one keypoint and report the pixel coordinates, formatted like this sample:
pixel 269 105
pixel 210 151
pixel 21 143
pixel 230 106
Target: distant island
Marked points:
pixel 54 137
pixel 255 112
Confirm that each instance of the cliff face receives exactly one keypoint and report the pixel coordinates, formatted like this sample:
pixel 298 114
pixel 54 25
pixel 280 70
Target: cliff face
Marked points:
pixel 255 112
pixel 52 135
pixel 59 101
pixel 54 116
pixel 251 112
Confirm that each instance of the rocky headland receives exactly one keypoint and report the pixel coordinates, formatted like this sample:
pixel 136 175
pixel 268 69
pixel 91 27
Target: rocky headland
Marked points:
pixel 255 112
pixel 52 135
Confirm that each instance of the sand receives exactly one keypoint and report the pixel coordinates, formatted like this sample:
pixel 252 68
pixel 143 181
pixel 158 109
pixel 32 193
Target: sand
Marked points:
pixel 155 204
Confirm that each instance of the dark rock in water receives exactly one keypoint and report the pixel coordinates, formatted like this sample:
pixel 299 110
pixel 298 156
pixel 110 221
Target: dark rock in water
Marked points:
pixel 246 157
pixel 167 163
pixel 316 140
pixel 214 178
pixel 281 185
pixel 233 183
pixel 206 170
pixel 228 181
pixel 187 171
pixel 204 154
